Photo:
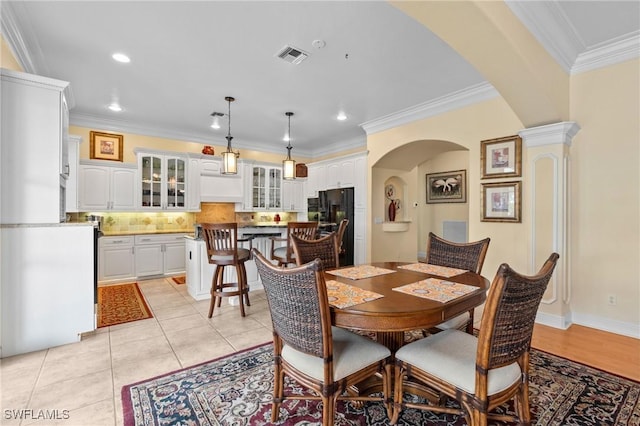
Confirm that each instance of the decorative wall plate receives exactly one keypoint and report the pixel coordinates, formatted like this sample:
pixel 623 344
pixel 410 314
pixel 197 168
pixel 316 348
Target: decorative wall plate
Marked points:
pixel 389 192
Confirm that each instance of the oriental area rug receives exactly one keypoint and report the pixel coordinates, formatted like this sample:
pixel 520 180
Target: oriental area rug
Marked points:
pixel 236 390
pixel 121 303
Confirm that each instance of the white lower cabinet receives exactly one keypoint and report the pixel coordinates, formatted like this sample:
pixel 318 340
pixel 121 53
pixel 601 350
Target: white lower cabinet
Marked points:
pixel 116 259
pixel 131 257
pixel 159 254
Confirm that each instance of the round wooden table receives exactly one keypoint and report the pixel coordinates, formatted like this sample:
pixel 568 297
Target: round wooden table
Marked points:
pixel 390 316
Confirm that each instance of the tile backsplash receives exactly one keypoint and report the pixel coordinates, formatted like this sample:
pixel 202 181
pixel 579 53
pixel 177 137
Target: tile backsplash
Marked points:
pixel 179 221
pixel 143 221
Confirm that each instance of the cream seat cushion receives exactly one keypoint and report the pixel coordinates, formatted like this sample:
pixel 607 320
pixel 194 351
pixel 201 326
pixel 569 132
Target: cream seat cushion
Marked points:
pixel 281 252
pixel 451 356
pixel 243 255
pixel 456 322
pixel 351 353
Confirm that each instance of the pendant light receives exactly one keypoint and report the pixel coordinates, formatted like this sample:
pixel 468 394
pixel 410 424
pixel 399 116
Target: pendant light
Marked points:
pixel 288 164
pixel 229 158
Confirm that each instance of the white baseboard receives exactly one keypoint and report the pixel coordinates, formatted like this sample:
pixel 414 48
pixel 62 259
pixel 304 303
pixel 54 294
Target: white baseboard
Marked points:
pixel 592 321
pixel 555 321
pixel 606 324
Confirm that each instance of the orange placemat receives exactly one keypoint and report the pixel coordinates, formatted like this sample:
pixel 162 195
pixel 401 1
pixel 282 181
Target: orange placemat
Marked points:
pixel 360 271
pixel 426 268
pixel 435 289
pixel 344 295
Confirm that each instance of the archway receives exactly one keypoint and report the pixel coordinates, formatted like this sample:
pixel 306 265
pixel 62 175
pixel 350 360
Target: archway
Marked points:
pixel 405 167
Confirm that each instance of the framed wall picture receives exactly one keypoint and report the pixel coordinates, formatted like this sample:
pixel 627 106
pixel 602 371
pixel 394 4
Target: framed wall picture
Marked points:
pixel 105 146
pixel 501 202
pixel 447 187
pixel 501 157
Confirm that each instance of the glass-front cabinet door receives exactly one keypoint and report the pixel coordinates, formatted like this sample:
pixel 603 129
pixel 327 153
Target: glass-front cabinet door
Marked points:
pixel 151 175
pixel 266 188
pixel 163 184
pixel 259 187
pixel 176 183
pixel 275 188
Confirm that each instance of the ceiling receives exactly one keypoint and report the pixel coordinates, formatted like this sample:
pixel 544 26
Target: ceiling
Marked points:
pixel 369 60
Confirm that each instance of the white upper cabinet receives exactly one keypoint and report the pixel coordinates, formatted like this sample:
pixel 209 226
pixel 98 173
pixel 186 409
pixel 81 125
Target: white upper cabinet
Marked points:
pixel 193 187
pixel 343 172
pixel 73 181
pixel 340 174
pixel 162 181
pixel 34 165
pixel 293 199
pixel 104 187
pixel 266 187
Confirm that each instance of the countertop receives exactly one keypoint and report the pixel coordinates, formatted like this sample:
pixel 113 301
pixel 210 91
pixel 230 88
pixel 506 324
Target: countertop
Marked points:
pixel 150 232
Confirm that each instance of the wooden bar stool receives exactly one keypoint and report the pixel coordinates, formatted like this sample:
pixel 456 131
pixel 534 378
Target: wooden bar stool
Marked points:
pixel 222 251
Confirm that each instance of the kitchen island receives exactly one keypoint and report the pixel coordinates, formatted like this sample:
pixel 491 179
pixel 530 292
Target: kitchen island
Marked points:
pixel 200 272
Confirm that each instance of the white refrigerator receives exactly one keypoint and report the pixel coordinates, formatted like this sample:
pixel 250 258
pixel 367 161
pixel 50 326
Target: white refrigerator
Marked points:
pixel 47 277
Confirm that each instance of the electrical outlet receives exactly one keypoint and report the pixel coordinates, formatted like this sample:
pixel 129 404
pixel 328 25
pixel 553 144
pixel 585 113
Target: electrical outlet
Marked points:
pixel 612 299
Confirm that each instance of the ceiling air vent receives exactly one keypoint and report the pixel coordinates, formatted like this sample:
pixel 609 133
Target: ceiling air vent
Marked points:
pixel 292 55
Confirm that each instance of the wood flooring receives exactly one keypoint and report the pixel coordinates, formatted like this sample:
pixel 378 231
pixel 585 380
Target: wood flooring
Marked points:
pixel 606 351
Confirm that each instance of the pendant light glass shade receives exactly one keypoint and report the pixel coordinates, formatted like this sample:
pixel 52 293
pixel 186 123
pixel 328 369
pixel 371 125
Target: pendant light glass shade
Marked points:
pixel 288 164
pixel 229 158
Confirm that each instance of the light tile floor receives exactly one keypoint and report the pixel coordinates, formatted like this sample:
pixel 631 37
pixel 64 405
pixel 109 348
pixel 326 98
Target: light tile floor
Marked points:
pixel 86 378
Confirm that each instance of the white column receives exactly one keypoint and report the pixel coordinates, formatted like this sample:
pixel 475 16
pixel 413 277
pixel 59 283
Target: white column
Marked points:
pixel 548 200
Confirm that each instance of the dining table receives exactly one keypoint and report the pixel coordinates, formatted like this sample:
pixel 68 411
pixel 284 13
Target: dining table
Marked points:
pixel 390 298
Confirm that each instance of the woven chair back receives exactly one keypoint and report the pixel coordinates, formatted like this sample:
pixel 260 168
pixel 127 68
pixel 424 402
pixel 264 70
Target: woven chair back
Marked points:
pixel 221 240
pixel 467 256
pixel 510 313
pixel 304 230
pixel 324 248
pixel 298 303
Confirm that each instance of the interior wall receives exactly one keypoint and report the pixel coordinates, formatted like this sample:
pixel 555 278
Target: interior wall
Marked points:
pixel 432 216
pixel 605 200
pixel 394 246
pixel 7 59
pixel 465 127
pixel 133 141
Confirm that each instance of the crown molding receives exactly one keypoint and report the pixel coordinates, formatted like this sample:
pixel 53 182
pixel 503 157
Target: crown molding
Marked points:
pixel 20 46
pixel 551 27
pixel 93 122
pixel 550 134
pixel 13 37
pixel 620 50
pixel 470 95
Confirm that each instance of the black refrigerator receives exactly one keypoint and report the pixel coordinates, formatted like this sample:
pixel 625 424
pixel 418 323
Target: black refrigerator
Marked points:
pixel 335 205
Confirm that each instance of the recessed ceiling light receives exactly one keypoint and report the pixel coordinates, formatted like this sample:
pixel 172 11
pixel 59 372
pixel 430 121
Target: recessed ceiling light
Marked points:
pixel 341 116
pixel 115 107
pixel 121 57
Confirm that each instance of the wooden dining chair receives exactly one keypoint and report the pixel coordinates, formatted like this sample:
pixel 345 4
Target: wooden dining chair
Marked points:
pixel 222 251
pixel 307 348
pixel 484 372
pixel 283 255
pixel 340 234
pixel 324 248
pixel 467 256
